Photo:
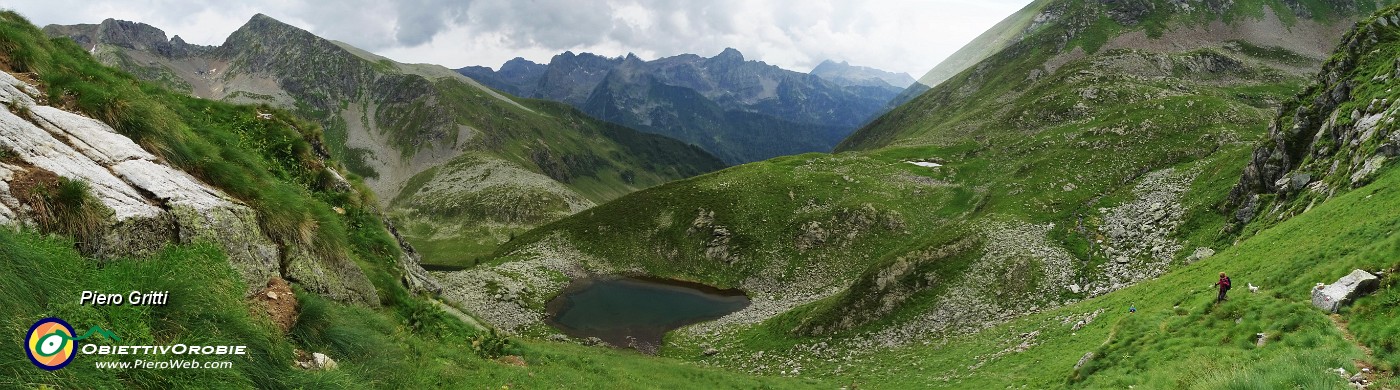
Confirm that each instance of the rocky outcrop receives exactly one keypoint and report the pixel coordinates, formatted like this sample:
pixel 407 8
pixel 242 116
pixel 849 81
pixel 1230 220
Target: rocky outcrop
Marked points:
pixel 148 204
pixel 1331 297
pixel 1336 134
pixel 414 276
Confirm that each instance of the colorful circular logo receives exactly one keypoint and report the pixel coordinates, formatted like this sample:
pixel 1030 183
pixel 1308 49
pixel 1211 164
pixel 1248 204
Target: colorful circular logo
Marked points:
pixel 50 344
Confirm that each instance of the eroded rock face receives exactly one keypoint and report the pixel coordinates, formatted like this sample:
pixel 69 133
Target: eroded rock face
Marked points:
pixel 150 204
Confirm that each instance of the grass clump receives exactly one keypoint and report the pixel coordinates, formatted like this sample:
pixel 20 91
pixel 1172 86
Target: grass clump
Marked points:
pixel 61 205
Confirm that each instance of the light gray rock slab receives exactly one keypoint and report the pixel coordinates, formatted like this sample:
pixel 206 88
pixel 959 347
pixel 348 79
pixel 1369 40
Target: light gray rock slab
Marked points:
pixel 175 188
pixel 39 148
pixel 14 91
pixel 92 138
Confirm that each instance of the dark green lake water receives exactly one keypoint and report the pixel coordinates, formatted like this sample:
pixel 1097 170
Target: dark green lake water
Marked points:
pixel 637 313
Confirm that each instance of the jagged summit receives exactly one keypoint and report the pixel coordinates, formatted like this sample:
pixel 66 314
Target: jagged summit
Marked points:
pixel 263 29
pixel 730 54
pixel 127 34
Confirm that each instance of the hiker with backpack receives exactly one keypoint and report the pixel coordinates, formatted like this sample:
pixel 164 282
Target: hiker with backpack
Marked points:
pixel 1224 285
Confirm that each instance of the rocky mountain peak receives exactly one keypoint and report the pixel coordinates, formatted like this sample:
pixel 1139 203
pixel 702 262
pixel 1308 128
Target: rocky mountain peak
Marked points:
pixel 263 29
pixel 632 60
pixel 129 35
pixel 730 55
pixel 518 63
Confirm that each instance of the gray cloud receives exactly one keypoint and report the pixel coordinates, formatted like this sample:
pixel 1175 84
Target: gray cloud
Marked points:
pixel 900 35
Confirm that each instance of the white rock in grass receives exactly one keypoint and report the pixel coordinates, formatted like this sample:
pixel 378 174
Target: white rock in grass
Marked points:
pixel 1331 297
pixel 94 139
pixel 175 188
pixel 15 92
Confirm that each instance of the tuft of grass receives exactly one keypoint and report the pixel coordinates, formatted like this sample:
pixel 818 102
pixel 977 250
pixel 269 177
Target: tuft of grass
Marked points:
pixel 61 205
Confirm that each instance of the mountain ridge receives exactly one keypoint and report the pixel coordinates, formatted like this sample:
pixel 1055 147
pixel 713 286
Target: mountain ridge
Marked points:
pixel 745 99
pixel 845 73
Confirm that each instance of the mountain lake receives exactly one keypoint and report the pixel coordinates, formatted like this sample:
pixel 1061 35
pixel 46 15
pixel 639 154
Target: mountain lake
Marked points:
pixel 637 312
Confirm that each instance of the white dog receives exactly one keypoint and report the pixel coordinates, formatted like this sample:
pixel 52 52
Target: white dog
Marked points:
pixel 1253 288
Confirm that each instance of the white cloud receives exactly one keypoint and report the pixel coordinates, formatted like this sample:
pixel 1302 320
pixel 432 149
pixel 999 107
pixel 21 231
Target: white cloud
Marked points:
pixel 899 35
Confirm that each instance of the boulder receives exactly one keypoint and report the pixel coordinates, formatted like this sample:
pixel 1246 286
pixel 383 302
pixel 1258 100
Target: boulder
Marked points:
pixel 94 139
pixel 1331 297
pixel 1084 359
pixel 316 362
pixel 15 92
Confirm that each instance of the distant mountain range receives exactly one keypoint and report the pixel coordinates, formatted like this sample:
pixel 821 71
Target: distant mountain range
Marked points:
pixel 738 110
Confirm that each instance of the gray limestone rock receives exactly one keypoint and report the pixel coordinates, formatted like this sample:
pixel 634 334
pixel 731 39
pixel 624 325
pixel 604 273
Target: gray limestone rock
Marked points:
pixel 1331 297
pixel 151 204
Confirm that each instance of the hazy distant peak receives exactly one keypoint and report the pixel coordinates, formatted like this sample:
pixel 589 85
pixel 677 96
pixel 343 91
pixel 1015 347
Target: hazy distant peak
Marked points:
pixel 843 73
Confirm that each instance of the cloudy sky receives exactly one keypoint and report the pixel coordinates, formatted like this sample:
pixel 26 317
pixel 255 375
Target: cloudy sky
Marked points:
pixel 898 35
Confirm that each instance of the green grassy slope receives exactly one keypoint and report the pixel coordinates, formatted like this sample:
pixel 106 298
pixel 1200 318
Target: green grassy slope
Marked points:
pixel 985 100
pixel 1179 338
pixel 530 168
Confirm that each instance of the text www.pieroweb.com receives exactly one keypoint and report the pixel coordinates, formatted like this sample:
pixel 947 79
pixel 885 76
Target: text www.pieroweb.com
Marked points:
pixel 175 364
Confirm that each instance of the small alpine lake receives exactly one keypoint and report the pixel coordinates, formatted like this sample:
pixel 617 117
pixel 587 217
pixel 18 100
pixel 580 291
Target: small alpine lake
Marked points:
pixel 637 312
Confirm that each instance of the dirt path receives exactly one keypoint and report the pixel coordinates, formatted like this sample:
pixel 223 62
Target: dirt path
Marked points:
pixel 1369 372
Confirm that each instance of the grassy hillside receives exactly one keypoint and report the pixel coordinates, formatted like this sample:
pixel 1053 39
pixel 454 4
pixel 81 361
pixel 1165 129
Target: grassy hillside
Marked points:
pixel 532 168
pixel 1179 338
pixel 1245 45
